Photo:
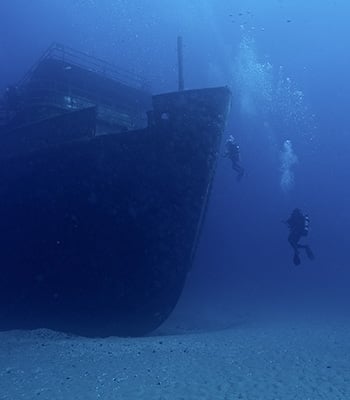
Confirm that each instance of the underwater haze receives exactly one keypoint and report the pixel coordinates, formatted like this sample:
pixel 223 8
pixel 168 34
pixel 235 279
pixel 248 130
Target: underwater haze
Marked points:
pixel 287 65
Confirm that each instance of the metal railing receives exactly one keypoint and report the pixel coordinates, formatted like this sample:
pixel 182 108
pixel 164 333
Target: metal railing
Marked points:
pixel 82 60
pixel 38 94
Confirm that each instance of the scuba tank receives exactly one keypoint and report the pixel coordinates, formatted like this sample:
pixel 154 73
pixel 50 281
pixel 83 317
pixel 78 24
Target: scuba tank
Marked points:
pixel 306 225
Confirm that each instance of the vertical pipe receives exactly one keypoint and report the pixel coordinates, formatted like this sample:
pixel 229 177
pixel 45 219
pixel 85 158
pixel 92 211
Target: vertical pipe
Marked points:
pixel 180 63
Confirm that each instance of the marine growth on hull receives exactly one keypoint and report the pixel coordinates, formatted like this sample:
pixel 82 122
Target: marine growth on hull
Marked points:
pixel 104 189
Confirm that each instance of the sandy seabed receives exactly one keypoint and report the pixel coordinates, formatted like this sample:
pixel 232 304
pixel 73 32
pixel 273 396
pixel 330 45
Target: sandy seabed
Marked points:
pixel 269 361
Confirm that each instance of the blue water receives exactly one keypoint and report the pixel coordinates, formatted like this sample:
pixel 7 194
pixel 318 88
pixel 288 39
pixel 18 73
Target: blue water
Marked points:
pixel 287 63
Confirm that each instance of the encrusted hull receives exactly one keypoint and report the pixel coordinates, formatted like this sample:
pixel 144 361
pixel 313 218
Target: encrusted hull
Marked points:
pixel 98 233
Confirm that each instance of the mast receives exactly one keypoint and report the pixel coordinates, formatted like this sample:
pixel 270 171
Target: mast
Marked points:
pixel 180 63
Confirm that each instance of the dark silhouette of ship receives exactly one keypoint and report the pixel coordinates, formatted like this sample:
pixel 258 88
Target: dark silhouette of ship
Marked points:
pixel 103 192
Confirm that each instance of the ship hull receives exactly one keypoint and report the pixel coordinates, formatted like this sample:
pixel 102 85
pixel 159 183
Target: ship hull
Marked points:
pixel 98 233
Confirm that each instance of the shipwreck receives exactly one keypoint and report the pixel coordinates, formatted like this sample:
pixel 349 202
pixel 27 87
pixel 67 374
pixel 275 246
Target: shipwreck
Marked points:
pixel 103 194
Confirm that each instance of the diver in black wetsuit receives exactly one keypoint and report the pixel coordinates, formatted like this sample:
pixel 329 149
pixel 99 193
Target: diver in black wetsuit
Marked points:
pixel 233 153
pixel 298 224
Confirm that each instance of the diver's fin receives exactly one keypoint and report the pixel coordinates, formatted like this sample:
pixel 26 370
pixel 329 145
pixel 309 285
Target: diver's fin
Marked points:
pixel 309 253
pixel 296 259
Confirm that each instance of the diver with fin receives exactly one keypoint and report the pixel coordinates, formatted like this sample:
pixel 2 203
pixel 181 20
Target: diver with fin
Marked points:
pixel 298 224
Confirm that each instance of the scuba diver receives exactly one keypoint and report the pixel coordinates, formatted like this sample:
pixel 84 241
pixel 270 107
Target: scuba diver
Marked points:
pixel 298 224
pixel 233 153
